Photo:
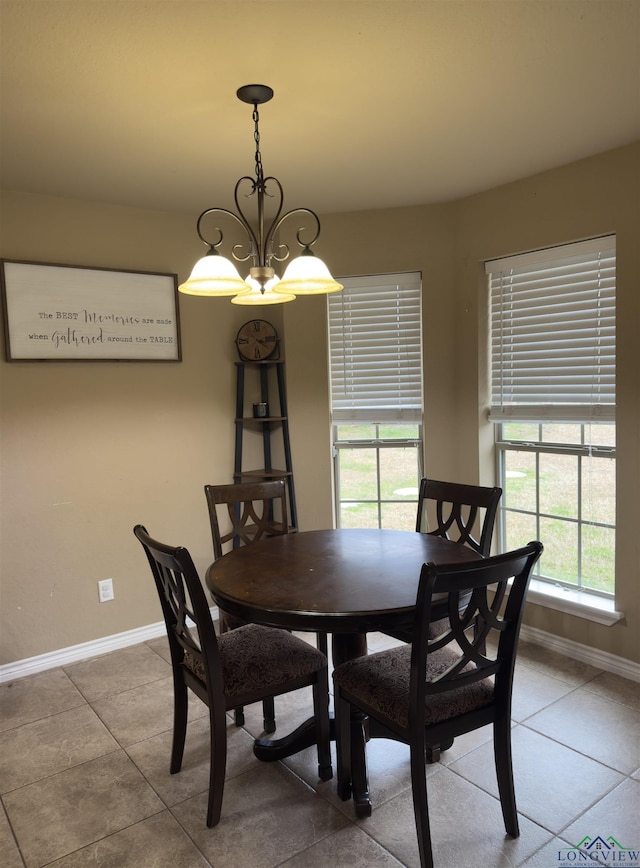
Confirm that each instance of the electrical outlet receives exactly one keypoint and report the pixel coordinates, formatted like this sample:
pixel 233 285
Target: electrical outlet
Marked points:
pixel 105 590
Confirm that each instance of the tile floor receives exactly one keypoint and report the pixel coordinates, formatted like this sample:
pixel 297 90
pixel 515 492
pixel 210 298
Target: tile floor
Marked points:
pixel 84 778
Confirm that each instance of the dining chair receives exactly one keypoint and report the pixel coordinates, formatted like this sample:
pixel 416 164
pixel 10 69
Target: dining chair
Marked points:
pixel 434 690
pixel 452 510
pixel 242 513
pixel 247 512
pixel 241 666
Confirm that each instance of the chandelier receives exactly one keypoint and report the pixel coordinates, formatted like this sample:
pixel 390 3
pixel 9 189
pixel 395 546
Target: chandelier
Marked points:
pixel 216 275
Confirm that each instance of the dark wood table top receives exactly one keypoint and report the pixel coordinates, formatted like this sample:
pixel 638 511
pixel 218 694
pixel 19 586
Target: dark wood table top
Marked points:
pixel 336 581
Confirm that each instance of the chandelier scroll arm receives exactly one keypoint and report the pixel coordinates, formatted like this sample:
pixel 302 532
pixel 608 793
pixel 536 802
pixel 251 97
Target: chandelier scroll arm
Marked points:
pixel 213 245
pixel 306 245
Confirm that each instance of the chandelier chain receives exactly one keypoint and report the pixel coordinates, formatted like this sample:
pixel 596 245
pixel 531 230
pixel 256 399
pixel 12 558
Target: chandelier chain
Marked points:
pixel 256 137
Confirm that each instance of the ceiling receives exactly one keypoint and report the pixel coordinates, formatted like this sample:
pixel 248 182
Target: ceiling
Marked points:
pixel 377 104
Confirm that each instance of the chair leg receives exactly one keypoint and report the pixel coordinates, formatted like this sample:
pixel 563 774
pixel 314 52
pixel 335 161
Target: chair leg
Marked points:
pixel 269 714
pixel 420 804
pixel 433 751
pixel 504 773
pixel 321 711
pixel 238 714
pixel 180 708
pixel 343 744
pixel 322 643
pixel 217 764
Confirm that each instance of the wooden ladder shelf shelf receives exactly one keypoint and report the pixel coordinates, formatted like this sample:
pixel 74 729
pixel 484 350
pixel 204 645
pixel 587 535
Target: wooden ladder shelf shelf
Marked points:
pixel 272 425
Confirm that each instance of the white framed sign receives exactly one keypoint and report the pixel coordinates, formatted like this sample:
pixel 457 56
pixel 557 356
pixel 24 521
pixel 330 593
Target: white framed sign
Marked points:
pixel 72 313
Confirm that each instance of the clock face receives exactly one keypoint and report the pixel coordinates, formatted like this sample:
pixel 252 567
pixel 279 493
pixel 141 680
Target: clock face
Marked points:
pixel 256 340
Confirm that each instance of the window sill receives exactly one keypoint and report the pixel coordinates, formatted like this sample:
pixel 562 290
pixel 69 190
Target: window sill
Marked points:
pixel 582 604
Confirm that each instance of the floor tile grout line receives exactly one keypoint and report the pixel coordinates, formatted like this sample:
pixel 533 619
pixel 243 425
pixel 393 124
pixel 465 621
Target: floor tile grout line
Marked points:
pixel 540 849
pixel 522 812
pixel 549 704
pixel 116 749
pixel 124 690
pixel 189 837
pixel 12 830
pixel 563 744
pixel 532 668
pixel 577 689
pixel 107 836
pixel 593 804
pixel 610 698
pixel 45 717
pixel 585 686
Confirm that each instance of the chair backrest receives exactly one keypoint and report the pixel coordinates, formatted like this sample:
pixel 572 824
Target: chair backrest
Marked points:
pixel 456 508
pixel 190 630
pixel 253 510
pixel 485 606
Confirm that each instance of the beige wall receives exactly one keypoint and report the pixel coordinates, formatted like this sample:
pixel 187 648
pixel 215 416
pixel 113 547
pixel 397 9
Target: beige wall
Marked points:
pixel 88 450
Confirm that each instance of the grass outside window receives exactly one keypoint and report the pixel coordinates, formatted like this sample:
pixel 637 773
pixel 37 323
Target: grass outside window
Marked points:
pixel 559 486
pixel 378 470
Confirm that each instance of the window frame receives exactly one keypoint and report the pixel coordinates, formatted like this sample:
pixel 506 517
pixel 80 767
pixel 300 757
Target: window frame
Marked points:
pixel 380 386
pixel 573 407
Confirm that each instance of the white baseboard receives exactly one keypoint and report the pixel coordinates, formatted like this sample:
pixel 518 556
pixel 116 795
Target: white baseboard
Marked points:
pixel 584 653
pixel 75 653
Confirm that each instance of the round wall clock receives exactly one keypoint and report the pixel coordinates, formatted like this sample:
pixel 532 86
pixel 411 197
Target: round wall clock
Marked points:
pixel 256 340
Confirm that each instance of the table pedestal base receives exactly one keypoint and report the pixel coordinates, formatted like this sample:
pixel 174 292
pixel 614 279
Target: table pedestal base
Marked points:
pixel 345 647
pixel 270 750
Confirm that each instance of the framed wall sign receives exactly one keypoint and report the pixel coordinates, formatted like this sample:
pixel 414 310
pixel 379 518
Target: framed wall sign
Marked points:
pixel 72 313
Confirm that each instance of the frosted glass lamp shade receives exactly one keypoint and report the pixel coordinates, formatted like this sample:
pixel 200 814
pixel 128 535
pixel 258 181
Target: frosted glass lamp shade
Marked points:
pixel 266 297
pixel 214 275
pixel 307 275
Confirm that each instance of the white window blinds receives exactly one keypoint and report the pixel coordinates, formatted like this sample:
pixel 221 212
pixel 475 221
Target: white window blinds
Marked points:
pixel 376 349
pixel 553 333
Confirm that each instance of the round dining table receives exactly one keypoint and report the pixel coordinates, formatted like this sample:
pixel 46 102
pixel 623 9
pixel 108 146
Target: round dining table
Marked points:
pixel 346 582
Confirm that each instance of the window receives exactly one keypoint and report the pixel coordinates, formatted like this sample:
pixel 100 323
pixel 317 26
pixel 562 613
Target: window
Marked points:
pixel 375 349
pixel 553 405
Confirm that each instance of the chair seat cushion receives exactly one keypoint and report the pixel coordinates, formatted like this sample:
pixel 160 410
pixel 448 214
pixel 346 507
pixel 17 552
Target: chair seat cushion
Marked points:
pixel 381 681
pixel 255 658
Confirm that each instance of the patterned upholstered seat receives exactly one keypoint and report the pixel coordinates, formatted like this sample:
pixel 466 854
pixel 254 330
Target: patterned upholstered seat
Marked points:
pixel 427 693
pixel 246 665
pixel 256 658
pixel 382 680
